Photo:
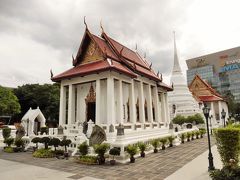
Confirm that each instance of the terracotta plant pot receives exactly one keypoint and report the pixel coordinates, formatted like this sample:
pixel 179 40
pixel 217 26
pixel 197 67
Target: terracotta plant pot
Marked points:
pixel 132 160
pixel 112 162
pixel 142 154
pixel 155 150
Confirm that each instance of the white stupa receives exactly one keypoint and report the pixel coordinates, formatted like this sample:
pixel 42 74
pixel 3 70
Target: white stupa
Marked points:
pixel 180 100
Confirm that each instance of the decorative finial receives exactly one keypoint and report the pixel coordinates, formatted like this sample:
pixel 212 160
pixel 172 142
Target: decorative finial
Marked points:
pixel 51 73
pixel 145 55
pixel 73 60
pixel 136 47
pixel 161 76
pixel 85 22
pixel 158 73
pixel 172 84
pixel 150 65
pixel 101 26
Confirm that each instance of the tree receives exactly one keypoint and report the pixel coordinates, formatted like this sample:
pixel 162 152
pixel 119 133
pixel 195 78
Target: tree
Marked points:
pixel 36 140
pixel 55 142
pixel 47 99
pixel 65 143
pixel 9 104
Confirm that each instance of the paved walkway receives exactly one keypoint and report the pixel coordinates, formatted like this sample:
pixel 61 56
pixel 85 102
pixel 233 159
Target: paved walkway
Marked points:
pixel 154 166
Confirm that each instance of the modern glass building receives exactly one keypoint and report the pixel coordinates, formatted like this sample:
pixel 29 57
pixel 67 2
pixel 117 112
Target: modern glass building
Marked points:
pixel 221 70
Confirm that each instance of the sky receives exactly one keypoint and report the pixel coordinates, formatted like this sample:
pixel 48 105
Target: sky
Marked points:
pixel 39 35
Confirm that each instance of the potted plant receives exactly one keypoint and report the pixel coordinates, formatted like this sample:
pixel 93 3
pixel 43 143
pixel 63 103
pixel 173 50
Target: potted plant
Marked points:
pixel 45 141
pixel 65 143
pixel 8 141
pixel 155 144
pixel 19 145
pixel 189 134
pixel 197 134
pixel 193 134
pixel 114 152
pixel 83 148
pixel 131 150
pixel 55 142
pixel 202 132
pixel 163 142
pixel 101 149
pixel 36 140
pixel 183 135
pixel 142 147
pixel 170 140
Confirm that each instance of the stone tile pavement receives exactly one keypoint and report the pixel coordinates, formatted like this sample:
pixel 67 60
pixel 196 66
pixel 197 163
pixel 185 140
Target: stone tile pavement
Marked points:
pixel 155 166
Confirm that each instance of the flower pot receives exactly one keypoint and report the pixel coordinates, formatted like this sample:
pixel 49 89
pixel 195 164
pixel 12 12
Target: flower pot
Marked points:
pixel 112 162
pixel 132 160
pixel 171 145
pixel 155 150
pixel 142 154
pixel 163 147
pixel 101 160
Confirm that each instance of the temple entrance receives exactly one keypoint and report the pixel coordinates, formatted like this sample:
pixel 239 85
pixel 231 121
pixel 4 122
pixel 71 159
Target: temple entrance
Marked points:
pixel 90 101
pixel 37 126
pixel 91 111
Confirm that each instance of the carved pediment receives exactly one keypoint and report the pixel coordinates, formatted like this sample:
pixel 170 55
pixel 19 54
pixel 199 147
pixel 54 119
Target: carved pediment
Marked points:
pixel 91 97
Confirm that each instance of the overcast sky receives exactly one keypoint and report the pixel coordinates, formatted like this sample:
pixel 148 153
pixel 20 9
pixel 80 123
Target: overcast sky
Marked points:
pixel 39 35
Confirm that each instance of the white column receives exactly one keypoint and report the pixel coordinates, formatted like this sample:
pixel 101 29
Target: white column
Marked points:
pixel 163 105
pixel 214 120
pixel 120 102
pixel 141 103
pixel 110 102
pixel 156 105
pixel 219 111
pixel 98 102
pixel 78 104
pixel 149 104
pixel 71 104
pixel 62 107
pixel 132 103
pixel 167 108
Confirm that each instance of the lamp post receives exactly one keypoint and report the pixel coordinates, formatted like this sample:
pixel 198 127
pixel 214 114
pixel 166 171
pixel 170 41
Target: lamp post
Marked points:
pixel 223 113
pixel 210 118
pixel 27 126
pixel 210 157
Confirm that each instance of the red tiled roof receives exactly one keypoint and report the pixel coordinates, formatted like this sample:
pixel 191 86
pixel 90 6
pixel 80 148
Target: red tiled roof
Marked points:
pixel 209 98
pixel 124 60
pixel 95 67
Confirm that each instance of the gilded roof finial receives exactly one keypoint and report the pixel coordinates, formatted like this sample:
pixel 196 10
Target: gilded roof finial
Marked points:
pixel 136 47
pixel 51 73
pixel 145 55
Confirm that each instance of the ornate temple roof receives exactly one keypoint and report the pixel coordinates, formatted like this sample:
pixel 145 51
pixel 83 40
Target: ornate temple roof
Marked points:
pixel 98 54
pixel 203 91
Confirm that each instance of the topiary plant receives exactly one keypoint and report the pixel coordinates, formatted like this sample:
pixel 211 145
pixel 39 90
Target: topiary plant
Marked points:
pixel 114 152
pixel 189 134
pixel 83 148
pixel 202 132
pixel 9 141
pixel 6 132
pixel 155 144
pixel 19 142
pixel 170 140
pixel 36 140
pixel 183 136
pixel 197 134
pixel 101 149
pixel 44 130
pixel 132 150
pixel 65 143
pixel 142 147
pixel 163 142
pixel 45 141
pixel 193 134
pixel 54 142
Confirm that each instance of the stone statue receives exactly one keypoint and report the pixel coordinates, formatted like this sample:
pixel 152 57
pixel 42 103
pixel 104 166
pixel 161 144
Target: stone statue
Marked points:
pixel 120 130
pixel 60 130
pixel 98 135
pixel 85 127
pixel 111 128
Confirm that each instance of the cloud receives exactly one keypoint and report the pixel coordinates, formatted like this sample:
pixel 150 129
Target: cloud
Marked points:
pixel 43 33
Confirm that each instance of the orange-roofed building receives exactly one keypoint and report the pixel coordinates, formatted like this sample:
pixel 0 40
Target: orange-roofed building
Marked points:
pixel 205 94
pixel 111 84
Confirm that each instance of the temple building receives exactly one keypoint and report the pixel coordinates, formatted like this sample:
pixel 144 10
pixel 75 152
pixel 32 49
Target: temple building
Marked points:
pixel 181 100
pixel 205 94
pixel 110 84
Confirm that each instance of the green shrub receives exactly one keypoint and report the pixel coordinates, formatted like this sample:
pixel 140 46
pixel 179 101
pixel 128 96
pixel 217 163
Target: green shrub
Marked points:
pixel 101 149
pixel 88 159
pixel 54 142
pixel 36 140
pixel 114 152
pixel 183 136
pixel 170 140
pixel 189 135
pixel 8 141
pixel 6 132
pixel 228 144
pixel 19 142
pixel 155 143
pixel 45 141
pixel 83 148
pixel 202 132
pixel 197 134
pixel 142 147
pixel 163 142
pixel 58 152
pixel 43 153
pixel 44 130
pixel 179 120
pixel 8 149
pixel 132 150
pixel 65 143
pixel 193 134
pixel 226 174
